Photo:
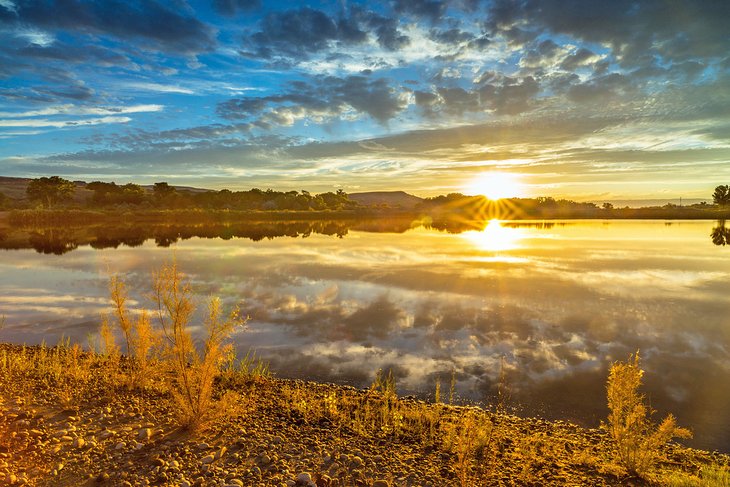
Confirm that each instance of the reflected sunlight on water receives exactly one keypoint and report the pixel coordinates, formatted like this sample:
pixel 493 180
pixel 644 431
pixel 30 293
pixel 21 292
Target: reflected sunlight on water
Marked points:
pixel 496 237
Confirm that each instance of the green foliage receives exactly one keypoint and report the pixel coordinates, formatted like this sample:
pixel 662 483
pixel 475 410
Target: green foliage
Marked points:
pixel 111 194
pixel 721 196
pixel 637 439
pixel 50 191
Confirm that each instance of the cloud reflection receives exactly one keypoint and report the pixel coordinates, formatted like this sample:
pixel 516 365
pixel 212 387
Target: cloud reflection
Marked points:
pixel 560 304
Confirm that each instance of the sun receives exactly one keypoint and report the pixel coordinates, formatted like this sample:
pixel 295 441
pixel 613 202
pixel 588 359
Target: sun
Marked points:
pixel 495 185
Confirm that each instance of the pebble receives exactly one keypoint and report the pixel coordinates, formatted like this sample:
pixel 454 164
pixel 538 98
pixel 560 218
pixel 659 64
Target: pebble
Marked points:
pixel 304 478
pixel 144 434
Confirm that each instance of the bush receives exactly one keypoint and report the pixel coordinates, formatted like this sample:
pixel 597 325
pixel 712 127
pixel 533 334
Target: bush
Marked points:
pixel 638 440
pixel 193 371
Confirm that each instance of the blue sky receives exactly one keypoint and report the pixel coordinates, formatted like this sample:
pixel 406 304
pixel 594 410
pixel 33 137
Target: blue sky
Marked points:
pixel 585 99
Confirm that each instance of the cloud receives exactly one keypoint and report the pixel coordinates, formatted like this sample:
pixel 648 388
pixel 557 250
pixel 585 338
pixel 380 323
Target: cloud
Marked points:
pixel 232 7
pixel 431 10
pixel 634 30
pixel 323 98
pixel 41 122
pixel 144 21
pixel 82 110
pixel 299 33
pixel 158 87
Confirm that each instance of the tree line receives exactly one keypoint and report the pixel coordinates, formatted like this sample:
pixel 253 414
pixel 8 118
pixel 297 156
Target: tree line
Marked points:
pixel 54 192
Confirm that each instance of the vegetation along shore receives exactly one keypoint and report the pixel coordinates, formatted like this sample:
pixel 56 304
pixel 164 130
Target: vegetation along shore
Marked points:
pixel 57 201
pixel 143 403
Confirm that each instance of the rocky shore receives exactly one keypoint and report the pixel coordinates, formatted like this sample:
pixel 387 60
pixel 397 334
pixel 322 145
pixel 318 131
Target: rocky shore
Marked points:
pixel 275 432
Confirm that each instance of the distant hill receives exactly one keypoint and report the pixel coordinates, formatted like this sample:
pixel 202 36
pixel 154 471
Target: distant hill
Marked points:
pixel 13 187
pixel 644 203
pixel 394 199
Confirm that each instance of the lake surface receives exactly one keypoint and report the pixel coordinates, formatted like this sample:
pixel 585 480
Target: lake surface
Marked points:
pixel 549 304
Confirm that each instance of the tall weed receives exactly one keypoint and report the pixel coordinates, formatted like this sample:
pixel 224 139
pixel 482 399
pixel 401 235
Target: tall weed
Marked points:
pixel 638 441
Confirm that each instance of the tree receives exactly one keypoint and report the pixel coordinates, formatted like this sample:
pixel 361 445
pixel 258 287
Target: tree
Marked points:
pixel 721 196
pixel 50 191
pixel 607 206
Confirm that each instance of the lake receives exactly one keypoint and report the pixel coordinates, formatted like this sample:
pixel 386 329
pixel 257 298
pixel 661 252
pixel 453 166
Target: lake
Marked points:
pixel 546 305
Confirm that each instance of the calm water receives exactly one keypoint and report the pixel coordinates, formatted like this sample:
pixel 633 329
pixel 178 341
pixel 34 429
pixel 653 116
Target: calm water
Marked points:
pixel 553 304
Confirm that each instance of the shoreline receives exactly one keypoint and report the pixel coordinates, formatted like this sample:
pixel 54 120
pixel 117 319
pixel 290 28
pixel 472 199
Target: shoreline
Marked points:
pixel 81 217
pixel 281 432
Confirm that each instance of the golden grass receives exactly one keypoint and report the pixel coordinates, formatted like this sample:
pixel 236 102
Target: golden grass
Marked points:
pixel 637 440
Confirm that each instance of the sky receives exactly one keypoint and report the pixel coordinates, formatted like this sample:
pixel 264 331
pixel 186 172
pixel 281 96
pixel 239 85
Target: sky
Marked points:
pixel 586 99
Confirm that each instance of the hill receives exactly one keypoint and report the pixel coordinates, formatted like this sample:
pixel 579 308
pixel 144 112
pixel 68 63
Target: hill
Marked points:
pixel 394 199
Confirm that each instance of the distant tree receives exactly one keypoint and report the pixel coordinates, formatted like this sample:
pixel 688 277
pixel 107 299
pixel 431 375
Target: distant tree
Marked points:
pixel 607 206
pixel 50 191
pixel 162 189
pixel 163 193
pixel 132 193
pixel 721 196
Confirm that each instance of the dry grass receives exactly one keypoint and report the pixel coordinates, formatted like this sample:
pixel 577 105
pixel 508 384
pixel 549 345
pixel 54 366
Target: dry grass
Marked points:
pixel 638 441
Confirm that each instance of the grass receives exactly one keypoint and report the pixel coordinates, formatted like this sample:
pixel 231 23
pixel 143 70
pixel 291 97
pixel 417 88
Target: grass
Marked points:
pixel 638 441
pixel 203 384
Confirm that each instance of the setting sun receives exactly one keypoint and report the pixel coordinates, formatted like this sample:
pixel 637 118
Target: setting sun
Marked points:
pixel 495 185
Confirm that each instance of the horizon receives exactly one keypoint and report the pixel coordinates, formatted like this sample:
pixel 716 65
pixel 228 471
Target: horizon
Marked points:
pixel 591 102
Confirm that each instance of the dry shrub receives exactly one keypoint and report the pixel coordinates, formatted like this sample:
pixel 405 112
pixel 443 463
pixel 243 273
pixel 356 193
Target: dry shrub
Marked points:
pixel 467 438
pixel 638 441
pixel 193 371
pixel 139 336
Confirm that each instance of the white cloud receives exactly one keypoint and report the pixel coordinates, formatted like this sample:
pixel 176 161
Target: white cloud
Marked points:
pixel 43 122
pixel 159 87
pixel 37 37
pixel 74 110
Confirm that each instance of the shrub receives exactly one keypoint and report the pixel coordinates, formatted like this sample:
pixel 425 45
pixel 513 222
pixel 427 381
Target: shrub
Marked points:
pixel 139 336
pixel 638 441
pixel 193 371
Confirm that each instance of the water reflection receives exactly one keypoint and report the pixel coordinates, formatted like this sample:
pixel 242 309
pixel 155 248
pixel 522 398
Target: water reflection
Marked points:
pixel 496 237
pixel 720 235
pixel 561 301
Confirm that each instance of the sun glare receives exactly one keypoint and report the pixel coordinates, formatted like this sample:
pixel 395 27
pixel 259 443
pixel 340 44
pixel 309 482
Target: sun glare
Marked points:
pixel 496 237
pixel 495 185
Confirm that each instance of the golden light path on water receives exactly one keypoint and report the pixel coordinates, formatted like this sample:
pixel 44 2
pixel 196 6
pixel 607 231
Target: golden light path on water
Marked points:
pixel 496 237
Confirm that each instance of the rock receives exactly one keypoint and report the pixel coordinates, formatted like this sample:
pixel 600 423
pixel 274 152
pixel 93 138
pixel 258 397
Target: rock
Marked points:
pixel 304 478
pixel 79 442
pixel 105 434
pixel 144 434
pixel 103 477
pixel 356 462
pixel 381 483
pixel 120 445
pixel 208 459
pixel 323 481
pixel 220 453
